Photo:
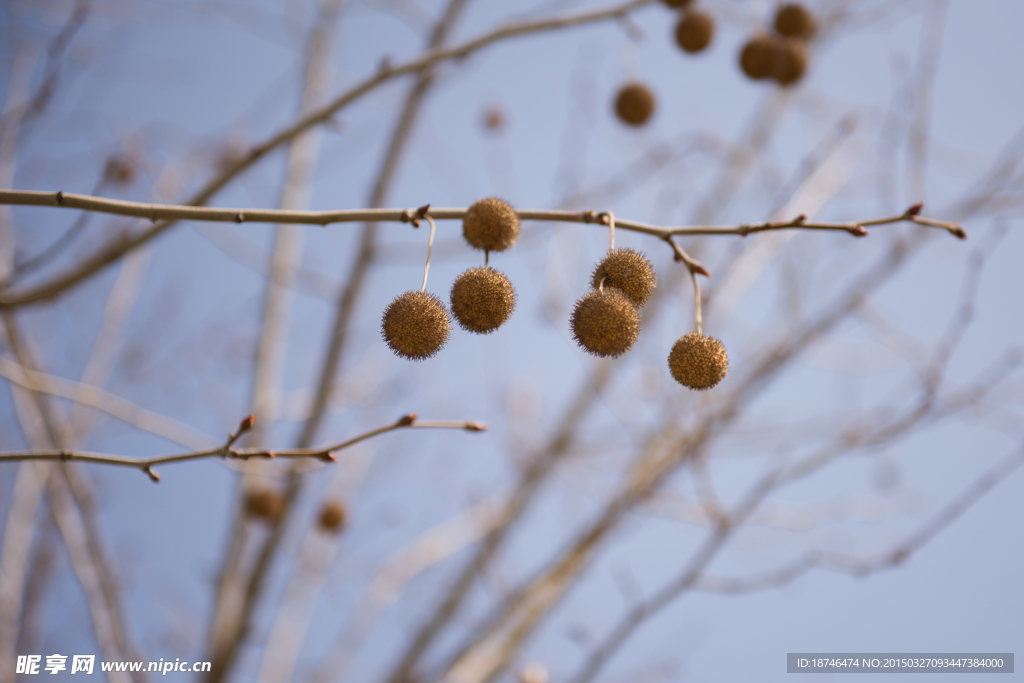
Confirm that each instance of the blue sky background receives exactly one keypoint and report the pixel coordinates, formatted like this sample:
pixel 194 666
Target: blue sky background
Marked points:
pixel 179 83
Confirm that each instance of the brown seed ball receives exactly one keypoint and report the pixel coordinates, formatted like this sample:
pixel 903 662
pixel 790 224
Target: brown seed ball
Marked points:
pixel 757 59
pixel 416 325
pixel 332 517
pixel 490 224
pixel 263 504
pixel 676 4
pixel 695 31
pixel 793 20
pixel 605 322
pixel 698 362
pixel 789 62
pixel 627 270
pixel 482 300
pixel 634 104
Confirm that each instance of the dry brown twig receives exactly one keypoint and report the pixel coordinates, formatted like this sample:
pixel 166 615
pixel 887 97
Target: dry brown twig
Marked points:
pixel 228 451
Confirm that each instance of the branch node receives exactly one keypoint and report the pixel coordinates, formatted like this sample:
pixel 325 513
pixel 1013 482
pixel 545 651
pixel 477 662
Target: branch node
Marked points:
pixel 239 217
pixel 60 198
pixel 589 216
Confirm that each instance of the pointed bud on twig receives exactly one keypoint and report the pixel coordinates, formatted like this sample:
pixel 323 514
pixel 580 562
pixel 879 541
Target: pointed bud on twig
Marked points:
pixel 243 426
pixel 915 209
pixel 406 420
pixel 800 220
pixel 153 474
pixel 475 427
pixel 329 457
pixel 859 231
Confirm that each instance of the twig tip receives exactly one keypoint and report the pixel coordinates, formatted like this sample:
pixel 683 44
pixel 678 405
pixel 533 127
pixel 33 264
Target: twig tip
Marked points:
pixel 406 420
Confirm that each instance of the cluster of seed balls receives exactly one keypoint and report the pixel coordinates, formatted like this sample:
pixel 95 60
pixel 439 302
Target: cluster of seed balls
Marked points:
pixel 606 321
pixel 416 325
pixel 780 56
pixel 267 505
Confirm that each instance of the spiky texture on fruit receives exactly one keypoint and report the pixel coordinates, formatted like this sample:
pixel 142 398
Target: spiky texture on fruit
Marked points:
pixel 698 362
pixel 332 517
pixel 605 322
pixel 676 4
pixel 795 21
pixel 416 325
pixel 634 104
pixel 263 504
pixel 490 224
pixel 789 61
pixel 627 270
pixel 757 59
pixel 695 31
pixel 482 300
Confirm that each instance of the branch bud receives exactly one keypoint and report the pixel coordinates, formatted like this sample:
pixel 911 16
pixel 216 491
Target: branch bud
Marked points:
pixel 915 209
pixel 406 420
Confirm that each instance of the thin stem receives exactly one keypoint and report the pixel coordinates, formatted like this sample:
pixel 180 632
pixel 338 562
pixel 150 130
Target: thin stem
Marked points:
pixel 227 451
pixel 487 258
pixel 610 218
pixel 430 247
pixel 696 302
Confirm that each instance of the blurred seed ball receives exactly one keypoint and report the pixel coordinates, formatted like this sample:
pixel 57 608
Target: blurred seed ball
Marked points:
pixel 695 31
pixel 757 59
pixel 118 170
pixel 263 504
pixel 416 325
pixel 332 517
pixel 634 104
pixel 698 362
pixel 627 270
pixel 605 322
pixel 793 20
pixel 490 224
pixel 494 119
pixel 676 4
pixel 789 62
pixel 482 300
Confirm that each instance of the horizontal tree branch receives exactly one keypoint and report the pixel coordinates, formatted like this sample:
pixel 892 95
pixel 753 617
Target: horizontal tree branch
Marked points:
pixel 159 212
pixel 228 451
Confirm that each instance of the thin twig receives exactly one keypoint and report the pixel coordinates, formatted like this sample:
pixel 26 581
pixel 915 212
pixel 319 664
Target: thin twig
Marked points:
pixel 229 452
pixel 157 212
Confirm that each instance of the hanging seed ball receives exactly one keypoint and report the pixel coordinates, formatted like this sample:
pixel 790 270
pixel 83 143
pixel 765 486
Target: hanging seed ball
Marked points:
pixel 482 300
pixel 490 224
pixel 605 322
pixel 695 31
pixel 263 504
pixel 698 362
pixel 416 325
pixel 757 59
pixel 789 62
pixel 676 4
pixel 634 104
pixel 332 517
pixel 627 270
pixel 793 20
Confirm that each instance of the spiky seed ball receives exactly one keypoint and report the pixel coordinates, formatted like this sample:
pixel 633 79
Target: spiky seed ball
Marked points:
pixel 757 59
pixel 698 362
pixel 416 325
pixel 789 62
pixel 695 31
pixel 482 300
pixel 634 104
pixel 627 270
pixel 263 504
pixel 793 20
pixel 332 517
pixel 605 322
pixel 676 4
pixel 490 224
